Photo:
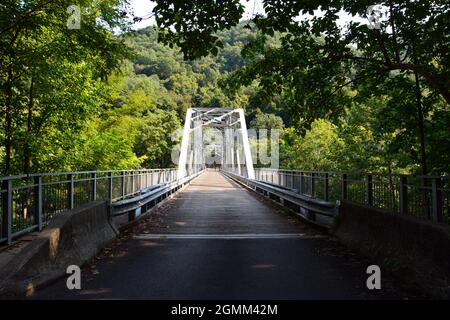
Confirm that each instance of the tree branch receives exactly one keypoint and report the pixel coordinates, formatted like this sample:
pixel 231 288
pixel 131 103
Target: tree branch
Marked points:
pixel 394 34
pixel 27 15
pixel 382 46
pixel 432 79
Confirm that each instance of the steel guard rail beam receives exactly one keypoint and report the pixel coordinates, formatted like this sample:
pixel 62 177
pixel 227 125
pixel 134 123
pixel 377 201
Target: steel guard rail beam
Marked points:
pixel 306 207
pixel 151 195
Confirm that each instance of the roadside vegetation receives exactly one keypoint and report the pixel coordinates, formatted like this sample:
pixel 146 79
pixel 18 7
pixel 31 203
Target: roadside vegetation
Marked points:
pixel 348 98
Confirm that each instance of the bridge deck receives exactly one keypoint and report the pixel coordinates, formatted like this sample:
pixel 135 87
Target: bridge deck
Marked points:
pixel 204 255
pixel 213 204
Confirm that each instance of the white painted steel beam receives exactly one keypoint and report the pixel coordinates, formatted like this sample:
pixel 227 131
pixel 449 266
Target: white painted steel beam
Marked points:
pixel 196 120
pixel 182 161
pixel 246 145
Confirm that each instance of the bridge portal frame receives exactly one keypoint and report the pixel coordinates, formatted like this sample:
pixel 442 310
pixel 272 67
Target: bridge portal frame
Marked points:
pixel 222 119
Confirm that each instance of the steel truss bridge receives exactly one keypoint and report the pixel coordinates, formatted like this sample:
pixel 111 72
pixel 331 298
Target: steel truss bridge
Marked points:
pixel 29 202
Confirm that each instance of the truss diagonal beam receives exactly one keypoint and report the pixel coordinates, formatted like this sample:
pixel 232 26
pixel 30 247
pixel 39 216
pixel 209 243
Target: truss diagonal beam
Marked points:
pixel 191 151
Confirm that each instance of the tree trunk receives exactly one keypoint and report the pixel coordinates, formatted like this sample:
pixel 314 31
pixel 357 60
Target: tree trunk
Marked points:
pixel 8 123
pixel 423 156
pixel 27 149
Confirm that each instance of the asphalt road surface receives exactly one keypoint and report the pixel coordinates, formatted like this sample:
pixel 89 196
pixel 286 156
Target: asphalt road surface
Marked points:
pixel 216 240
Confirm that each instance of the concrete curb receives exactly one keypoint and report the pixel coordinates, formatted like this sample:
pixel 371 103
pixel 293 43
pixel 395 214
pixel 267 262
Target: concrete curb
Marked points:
pixel 413 250
pixel 71 238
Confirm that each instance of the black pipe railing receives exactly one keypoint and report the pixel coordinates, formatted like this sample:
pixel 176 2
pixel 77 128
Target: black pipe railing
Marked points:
pixel 426 197
pixel 29 202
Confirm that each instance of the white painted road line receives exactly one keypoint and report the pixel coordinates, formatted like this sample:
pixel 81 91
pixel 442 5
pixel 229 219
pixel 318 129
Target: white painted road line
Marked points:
pixel 151 236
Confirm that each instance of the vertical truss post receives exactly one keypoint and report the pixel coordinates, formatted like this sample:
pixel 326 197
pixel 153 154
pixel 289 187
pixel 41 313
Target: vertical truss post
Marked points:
pixel 238 161
pixel 191 162
pixel 222 156
pixel 225 149
pixel 184 145
pixel 232 153
pixel 228 143
pixel 198 145
pixel 246 145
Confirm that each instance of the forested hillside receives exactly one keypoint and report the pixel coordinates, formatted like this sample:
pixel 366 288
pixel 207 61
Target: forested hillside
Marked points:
pixel 117 108
pixel 74 120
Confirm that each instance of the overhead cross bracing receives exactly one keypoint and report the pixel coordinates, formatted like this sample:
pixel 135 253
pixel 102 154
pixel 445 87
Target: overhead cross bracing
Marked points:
pixel 229 139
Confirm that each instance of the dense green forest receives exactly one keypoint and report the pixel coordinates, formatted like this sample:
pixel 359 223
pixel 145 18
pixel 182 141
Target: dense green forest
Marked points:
pixel 93 99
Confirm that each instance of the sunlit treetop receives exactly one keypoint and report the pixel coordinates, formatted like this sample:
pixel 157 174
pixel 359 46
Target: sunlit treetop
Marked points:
pixel 313 38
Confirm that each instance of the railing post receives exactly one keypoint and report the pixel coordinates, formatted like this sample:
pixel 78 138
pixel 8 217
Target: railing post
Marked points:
pixel 70 202
pixel 38 202
pixel 110 187
pixel 94 186
pixel 325 186
pixel 110 194
pixel 292 179
pixel 403 195
pixel 436 200
pixel 313 189
pixel 344 186
pixel 7 202
pixel 122 182
pixel 146 179
pixel 132 181
pixel 369 190
pixel 302 183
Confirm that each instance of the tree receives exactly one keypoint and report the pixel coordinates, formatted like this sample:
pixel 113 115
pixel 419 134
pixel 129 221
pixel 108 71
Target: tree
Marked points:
pixel 154 140
pixel 200 19
pixel 266 121
pixel 41 58
pixel 317 48
pixel 317 150
pixel 318 58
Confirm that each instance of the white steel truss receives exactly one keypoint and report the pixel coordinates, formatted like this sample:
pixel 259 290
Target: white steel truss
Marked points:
pixel 230 141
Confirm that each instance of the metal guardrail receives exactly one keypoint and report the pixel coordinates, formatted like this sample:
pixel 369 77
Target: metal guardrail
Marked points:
pixel 425 197
pixel 29 202
pixel 315 210
pixel 149 197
